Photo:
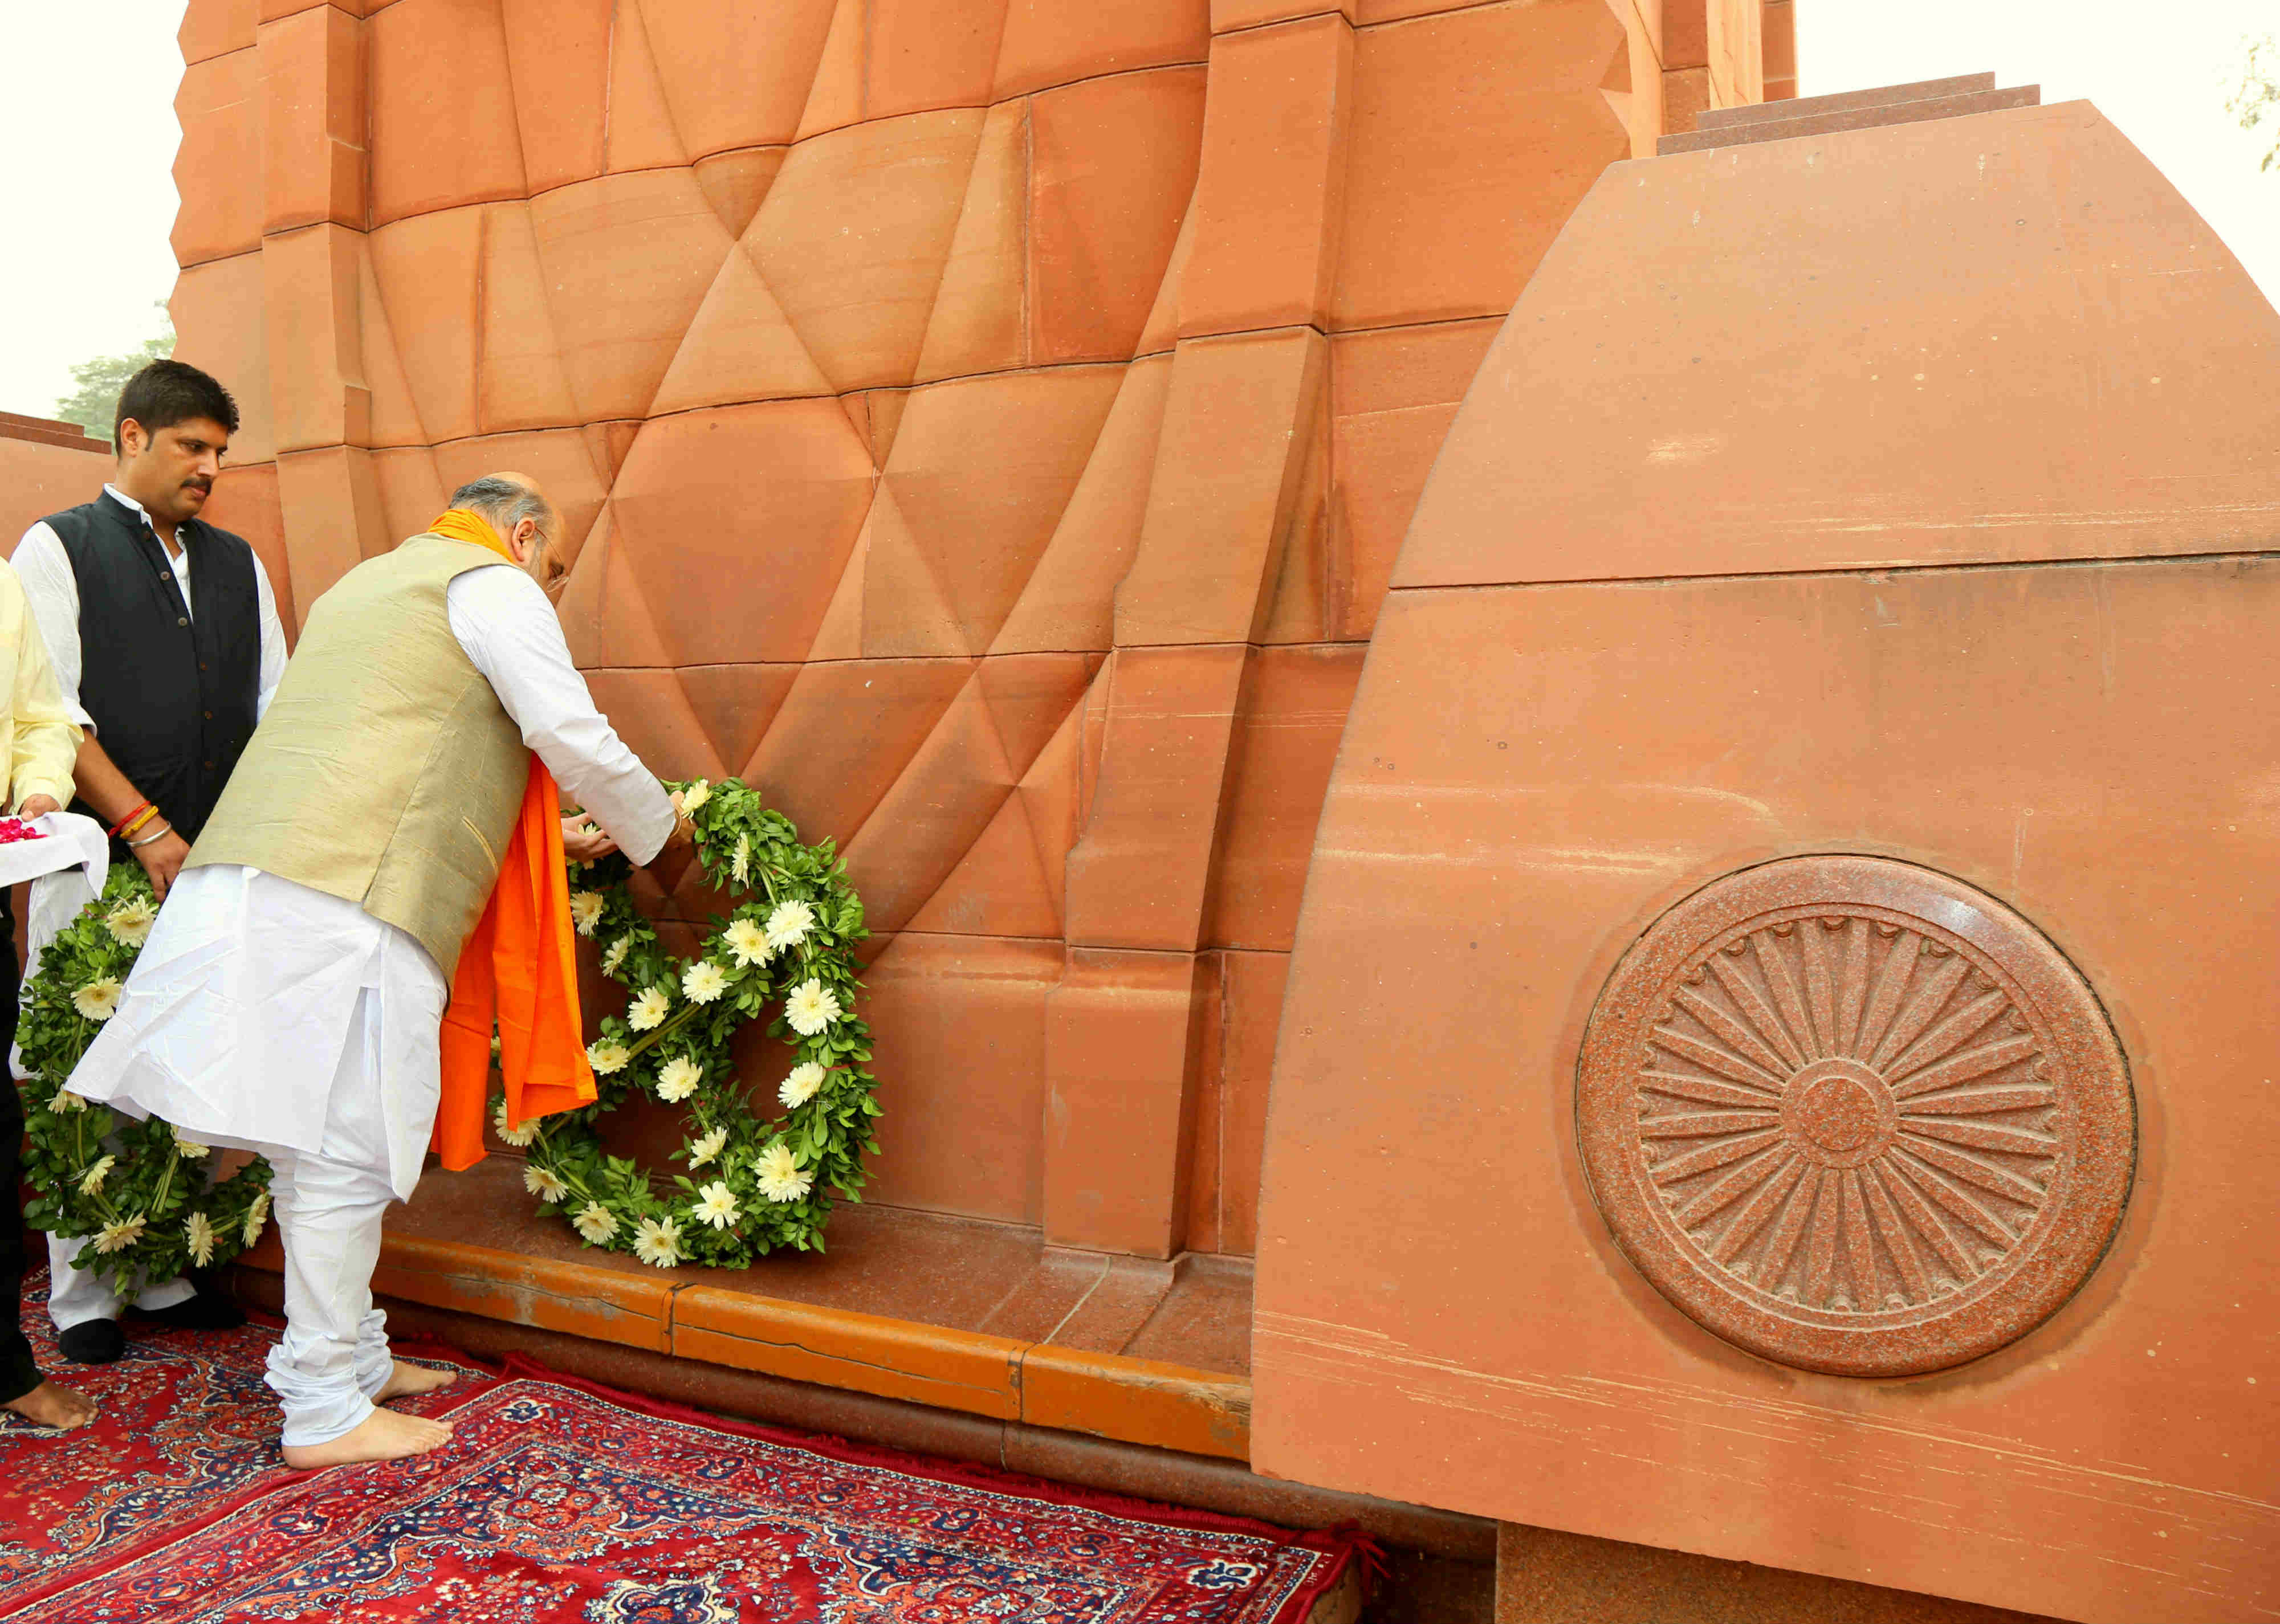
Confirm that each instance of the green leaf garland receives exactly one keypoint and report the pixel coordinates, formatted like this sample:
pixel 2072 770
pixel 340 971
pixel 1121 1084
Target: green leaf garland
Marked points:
pixel 786 956
pixel 138 1189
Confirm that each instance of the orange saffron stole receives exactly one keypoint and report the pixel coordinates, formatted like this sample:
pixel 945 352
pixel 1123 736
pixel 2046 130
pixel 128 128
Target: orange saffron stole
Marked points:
pixel 518 969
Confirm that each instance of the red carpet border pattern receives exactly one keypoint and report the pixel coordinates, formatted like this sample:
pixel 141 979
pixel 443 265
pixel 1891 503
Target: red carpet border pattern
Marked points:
pixel 560 1500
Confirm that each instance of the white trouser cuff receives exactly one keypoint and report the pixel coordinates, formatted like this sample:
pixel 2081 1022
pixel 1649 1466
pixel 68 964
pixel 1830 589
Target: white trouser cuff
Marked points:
pixel 76 1295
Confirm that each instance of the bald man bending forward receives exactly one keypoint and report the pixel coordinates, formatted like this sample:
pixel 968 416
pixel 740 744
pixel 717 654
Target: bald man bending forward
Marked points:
pixel 289 998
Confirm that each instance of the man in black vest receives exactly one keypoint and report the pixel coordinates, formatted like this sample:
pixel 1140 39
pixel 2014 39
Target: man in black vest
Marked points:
pixel 166 639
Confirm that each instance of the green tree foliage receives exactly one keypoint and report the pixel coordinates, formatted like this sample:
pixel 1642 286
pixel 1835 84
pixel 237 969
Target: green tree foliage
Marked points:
pixel 93 402
pixel 2256 96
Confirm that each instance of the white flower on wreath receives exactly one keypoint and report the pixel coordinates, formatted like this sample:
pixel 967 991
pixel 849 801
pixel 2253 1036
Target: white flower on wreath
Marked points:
pixel 98 1000
pixel 606 1055
pixel 702 982
pixel 616 955
pixel 543 1182
pixel 90 1182
pixel 740 865
pixel 649 1010
pixel 200 1230
pixel 190 1149
pixel 811 1007
pixel 780 1177
pixel 716 1204
pixel 121 1235
pixel 677 1079
pixel 256 1216
pixel 596 1222
pixel 801 1086
pixel 130 921
pixel 686 800
pixel 585 910
pixel 703 1150
pixel 788 924
pixel 656 1241
pixel 508 1132
pixel 66 1100
pixel 748 942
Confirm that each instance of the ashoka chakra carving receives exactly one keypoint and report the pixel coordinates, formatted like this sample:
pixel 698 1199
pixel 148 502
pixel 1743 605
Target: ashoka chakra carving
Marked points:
pixel 1856 1116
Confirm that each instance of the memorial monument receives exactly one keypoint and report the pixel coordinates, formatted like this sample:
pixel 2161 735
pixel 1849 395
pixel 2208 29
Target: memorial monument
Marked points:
pixel 1767 1072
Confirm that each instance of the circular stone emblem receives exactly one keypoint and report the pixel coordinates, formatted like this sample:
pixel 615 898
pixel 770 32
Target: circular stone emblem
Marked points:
pixel 1855 1116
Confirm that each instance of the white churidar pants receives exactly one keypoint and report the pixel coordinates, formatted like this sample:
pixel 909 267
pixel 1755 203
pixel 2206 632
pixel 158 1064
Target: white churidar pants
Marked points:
pixel 249 988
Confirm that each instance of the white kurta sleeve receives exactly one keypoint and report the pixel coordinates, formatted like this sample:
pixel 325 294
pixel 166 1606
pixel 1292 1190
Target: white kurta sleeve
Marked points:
pixel 503 620
pixel 52 591
pixel 273 640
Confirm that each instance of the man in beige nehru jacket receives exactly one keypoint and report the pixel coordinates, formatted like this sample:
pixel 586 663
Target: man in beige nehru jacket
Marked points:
pixel 290 998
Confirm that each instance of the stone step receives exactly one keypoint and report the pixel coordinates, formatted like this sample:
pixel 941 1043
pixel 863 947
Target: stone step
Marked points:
pixel 1844 101
pixel 957 1314
pixel 1851 119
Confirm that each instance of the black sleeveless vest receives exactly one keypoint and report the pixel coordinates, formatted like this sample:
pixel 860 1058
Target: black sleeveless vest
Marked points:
pixel 174 697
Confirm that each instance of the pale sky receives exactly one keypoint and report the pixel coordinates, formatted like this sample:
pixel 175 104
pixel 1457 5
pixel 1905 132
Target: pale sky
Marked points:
pixel 87 115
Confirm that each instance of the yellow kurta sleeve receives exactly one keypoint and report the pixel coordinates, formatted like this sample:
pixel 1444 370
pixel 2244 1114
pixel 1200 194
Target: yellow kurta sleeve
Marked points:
pixel 43 740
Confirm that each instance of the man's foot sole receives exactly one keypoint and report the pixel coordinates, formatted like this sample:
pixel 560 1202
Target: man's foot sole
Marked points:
pixel 407 1379
pixel 50 1406
pixel 382 1435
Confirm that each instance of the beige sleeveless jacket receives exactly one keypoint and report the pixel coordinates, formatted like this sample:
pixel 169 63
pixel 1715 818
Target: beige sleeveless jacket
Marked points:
pixel 386 772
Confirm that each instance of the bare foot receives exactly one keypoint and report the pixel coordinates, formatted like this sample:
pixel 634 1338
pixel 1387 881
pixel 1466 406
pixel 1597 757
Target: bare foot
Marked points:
pixel 407 1379
pixel 382 1436
pixel 60 1407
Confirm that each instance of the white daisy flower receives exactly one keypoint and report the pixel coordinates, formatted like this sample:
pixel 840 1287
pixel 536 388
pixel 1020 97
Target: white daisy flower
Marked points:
pixel 703 1150
pixel 585 910
pixel 596 1222
pixel 130 921
pixel 740 865
pixel 717 1205
pixel 90 1182
pixel 606 1055
pixel 677 1079
pixel 544 1183
pixel 788 923
pixel 66 1100
pixel 748 942
pixel 811 1007
pixel 256 1216
pixel 203 1239
pixel 616 955
pixel 702 982
pixel 658 1241
pixel 507 1132
pixel 779 1176
pixel 649 1009
pixel 801 1086
pixel 121 1235
pixel 190 1149
pixel 98 1000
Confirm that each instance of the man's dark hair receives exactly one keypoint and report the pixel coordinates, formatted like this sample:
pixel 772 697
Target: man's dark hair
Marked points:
pixel 166 393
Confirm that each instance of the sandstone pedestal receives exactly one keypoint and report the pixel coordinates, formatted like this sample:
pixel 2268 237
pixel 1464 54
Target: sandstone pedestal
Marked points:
pixel 1882 518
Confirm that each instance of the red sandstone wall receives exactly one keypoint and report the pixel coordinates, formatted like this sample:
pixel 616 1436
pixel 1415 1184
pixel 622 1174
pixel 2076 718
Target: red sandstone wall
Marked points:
pixel 987 426
pixel 44 465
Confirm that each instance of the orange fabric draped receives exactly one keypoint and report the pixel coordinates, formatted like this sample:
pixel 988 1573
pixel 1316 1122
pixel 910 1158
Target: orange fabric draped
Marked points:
pixel 518 968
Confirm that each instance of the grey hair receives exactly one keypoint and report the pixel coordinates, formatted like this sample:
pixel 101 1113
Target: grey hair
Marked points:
pixel 503 500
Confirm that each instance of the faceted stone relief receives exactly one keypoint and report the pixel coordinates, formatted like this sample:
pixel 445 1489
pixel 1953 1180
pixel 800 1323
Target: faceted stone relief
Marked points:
pixel 1855 1116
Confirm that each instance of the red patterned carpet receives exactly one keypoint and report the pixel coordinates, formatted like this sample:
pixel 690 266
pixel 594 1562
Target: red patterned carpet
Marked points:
pixel 556 1500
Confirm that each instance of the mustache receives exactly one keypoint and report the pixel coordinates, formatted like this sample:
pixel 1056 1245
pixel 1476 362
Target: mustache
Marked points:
pixel 206 485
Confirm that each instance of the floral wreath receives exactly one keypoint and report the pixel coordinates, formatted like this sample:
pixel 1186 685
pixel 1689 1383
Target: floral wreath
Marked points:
pixel 753 1186
pixel 143 1192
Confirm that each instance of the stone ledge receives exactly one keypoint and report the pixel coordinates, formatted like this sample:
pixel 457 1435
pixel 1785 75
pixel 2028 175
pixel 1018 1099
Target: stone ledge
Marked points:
pixel 1005 1379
